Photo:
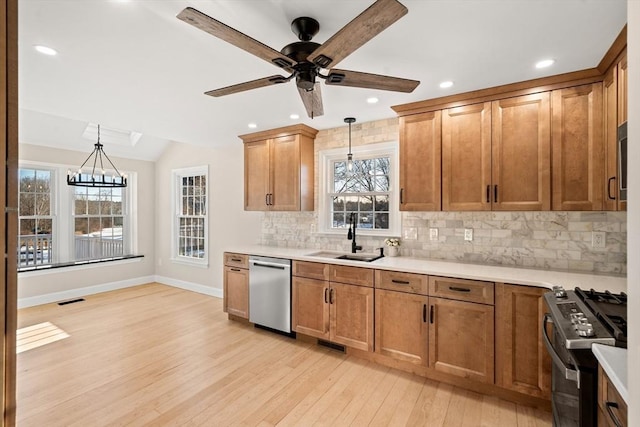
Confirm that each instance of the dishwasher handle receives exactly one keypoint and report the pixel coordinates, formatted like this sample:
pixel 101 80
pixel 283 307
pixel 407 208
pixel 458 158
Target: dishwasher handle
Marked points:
pixel 266 264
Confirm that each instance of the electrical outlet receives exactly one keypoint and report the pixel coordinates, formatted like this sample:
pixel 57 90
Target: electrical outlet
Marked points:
pixel 410 233
pixel 598 239
pixel 433 234
pixel 468 234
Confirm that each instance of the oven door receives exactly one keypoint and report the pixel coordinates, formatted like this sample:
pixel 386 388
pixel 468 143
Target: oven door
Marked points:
pixel 565 380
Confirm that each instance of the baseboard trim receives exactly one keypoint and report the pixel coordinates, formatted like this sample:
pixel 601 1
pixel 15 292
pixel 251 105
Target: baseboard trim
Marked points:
pixel 190 286
pixel 81 292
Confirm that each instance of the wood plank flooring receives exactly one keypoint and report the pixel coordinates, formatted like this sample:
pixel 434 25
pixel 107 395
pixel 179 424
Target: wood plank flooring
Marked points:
pixel 160 356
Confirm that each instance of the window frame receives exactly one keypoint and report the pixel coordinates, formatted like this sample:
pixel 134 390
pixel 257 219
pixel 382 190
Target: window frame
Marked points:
pixel 325 160
pixel 176 205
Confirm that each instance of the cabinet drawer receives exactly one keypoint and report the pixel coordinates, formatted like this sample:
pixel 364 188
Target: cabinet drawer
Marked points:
pixel 351 275
pixel 311 270
pixel 402 282
pixel 609 396
pixel 461 289
pixel 236 260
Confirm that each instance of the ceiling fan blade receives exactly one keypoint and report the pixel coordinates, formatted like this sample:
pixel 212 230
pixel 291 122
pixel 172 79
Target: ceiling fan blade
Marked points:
pixel 360 30
pixel 312 100
pixel 253 84
pixel 370 81
pixel 235 37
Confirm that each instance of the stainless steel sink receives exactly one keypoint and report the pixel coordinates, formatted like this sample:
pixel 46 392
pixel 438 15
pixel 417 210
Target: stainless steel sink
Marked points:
pixel 346 256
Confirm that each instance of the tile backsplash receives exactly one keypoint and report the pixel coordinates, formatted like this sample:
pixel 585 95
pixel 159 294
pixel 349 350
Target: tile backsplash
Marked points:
pixel 549 240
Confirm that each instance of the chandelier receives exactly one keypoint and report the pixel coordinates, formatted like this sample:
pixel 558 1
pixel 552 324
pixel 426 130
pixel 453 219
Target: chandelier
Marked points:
pixel 101 180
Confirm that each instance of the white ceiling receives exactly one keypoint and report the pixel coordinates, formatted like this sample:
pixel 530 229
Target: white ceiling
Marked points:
pixel 132 65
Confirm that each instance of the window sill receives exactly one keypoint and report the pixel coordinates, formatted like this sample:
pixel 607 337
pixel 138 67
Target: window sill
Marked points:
pixel 359 232
pixel 191 263
pixel 76 264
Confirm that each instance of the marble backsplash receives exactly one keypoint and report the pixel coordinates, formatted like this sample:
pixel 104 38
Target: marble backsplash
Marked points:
pixel 549 240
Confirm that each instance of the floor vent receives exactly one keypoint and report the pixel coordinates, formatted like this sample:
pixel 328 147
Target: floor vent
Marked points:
pixel 71 301
pixel 331 345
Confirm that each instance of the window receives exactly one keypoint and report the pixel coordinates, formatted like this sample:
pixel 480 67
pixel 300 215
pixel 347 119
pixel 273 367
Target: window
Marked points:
pixel 190 225
pixel 367 192
pixel 35 217
pixel 61 224
pixel 98 223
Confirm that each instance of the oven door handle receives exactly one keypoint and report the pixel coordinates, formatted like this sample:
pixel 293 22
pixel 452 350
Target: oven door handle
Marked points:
pixel 569 373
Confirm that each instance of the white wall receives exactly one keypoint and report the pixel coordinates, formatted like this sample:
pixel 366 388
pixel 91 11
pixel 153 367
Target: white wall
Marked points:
pixel 633 223
pixel 40 287
pixel 229 224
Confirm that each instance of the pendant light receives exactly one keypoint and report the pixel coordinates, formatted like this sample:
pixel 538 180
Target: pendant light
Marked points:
pixel 78 179
pixel 349 154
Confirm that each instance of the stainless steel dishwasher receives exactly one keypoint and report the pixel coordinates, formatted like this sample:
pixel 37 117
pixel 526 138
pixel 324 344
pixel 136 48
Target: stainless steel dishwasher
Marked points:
pixel 270 292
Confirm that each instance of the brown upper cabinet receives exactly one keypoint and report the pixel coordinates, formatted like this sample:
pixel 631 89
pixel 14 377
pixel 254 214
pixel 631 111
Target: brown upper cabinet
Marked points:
pixel 578 148
pixel 496 155
pixel 420 141
pixel 614 114
pixel 279 169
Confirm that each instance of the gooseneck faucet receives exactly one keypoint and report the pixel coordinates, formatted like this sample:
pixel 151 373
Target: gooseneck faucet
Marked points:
pixel 351 235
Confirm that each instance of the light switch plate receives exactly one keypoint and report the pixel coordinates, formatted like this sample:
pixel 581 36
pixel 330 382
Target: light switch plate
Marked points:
pixel 598 239
pixel 468 234
pixel 410 233
pixel 433 234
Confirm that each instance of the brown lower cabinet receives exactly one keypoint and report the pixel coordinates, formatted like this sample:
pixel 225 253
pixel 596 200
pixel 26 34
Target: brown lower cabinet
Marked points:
pixel 236 284
pixel 612 409
pixel 522 361
pixel 461 339
pixel 402 328
pixel 337 312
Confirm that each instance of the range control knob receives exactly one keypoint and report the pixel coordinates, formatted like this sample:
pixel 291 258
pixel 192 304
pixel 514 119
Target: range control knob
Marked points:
pixel 578 318
pixel 586 330
pixel 559 292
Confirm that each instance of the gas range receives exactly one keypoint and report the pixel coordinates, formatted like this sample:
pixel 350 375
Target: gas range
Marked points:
pixel 583 318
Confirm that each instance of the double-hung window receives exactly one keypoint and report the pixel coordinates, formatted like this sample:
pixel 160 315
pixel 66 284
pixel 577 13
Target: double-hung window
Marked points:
pixel 365 193
pixel 190 223
pixel 35 217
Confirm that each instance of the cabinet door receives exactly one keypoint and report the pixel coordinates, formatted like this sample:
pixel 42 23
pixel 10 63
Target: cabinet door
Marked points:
pixel 610 116
pixel 236 291
pixel 522 361
pixel 461 339
pixel 578 148
pixel 256 175
pixel 420 158
pixel 520 152
pixel 310 307
pixel 402 326
pixel 352 316
pixel 466 158
pixel 622 89
pixel 285 173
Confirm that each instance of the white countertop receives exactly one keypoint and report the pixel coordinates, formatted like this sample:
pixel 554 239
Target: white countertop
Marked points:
pixel 614 363
pixel 491 273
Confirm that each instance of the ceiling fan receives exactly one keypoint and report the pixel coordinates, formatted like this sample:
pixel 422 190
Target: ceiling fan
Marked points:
pixel 305 60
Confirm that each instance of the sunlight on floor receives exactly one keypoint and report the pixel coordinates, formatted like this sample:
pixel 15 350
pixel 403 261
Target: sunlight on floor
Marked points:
pixel 38 335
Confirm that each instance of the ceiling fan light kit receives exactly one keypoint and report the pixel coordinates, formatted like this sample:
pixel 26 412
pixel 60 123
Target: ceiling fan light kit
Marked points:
pixel 304 59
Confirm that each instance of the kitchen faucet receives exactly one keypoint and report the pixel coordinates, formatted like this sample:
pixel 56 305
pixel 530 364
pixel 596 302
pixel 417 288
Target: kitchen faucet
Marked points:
pixel 351 235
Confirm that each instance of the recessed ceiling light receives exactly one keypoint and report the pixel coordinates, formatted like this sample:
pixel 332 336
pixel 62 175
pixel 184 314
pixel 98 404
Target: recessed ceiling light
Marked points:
pixel 372 100
pixel 294 117
pixel 446 84
pixel 46 50
pixel 253 125
pixel 545 63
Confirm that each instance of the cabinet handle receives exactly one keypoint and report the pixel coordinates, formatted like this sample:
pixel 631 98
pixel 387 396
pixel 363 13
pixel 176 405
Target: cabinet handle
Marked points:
pixel 431 314
pixel 400 282
pixel 270 199
pixel 401 195
pixel 613 178
pixel 457 289
pixel 331 296
pixel 495 194
pixel 236 259
pixel 613 417
pixel 488 193
pixel 266 199
pixel 325 295
pixel 424 313
pixel 235 269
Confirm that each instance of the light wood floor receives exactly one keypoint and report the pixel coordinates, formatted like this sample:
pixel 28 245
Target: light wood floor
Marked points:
pixel 156 355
